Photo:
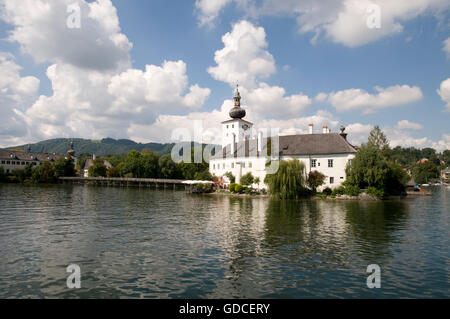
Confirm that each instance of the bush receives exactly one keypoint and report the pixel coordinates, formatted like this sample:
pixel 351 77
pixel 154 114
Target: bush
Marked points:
pixel 239 189
pixel 338 191
pixel 232 187
pixel 376 192
pixel 327 191
pixel 203 188
pixel 352 190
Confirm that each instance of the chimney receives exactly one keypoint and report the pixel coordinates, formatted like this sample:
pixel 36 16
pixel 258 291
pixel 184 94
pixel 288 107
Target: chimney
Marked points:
pixel 233 145
pixel 325 129
pixel 311 126
pixel 260 139
pixel 343 134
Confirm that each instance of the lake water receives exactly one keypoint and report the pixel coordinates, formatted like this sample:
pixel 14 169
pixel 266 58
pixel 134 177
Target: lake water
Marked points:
pixel 141 243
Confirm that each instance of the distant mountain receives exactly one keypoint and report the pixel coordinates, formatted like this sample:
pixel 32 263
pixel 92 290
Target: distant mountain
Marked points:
pixel 106 146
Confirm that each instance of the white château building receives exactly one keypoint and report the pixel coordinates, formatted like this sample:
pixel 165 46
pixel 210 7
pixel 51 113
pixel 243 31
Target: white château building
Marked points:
pixel 242 152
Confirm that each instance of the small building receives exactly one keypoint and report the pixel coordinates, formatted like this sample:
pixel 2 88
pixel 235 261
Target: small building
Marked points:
pixel 90 162
pixel 14 160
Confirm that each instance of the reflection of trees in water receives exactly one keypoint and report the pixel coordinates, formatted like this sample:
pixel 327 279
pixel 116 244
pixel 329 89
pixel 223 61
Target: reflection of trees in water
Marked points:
pixel 373 225
pixel 333 230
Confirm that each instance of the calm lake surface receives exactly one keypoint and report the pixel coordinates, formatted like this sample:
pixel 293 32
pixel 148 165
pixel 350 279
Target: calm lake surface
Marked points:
pixel 141 243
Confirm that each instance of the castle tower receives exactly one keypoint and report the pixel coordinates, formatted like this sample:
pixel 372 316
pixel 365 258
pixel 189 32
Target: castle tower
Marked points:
pixel 236 128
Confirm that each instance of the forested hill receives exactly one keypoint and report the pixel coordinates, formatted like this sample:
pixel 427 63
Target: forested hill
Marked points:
pixel 106 146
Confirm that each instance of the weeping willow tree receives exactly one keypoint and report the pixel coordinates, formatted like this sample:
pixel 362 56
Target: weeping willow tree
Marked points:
pixel 289 181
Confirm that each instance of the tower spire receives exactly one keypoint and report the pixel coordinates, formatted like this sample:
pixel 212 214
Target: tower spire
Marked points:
pixel 237 97
pixel 237 112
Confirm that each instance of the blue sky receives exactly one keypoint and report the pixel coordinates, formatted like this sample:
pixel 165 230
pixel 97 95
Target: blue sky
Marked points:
pixel 407 59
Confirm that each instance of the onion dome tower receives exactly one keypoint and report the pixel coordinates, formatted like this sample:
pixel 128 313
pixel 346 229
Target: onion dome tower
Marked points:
pixel 236 129
pixel 237 112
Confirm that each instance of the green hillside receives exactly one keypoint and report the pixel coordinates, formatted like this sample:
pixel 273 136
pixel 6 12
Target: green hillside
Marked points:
pixel 106 146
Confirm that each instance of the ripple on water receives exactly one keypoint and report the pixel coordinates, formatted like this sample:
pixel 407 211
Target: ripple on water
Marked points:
pixel 137 243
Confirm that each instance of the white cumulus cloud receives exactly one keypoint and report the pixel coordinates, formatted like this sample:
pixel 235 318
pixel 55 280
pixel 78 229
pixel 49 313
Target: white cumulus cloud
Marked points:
pixel 359 99
pixel 244 57
pixel 40 27
pixel 444 92
pixel 209 10
pixel 341 21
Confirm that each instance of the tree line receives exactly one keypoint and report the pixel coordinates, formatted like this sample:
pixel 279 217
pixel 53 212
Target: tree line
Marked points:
pixel 135 164
pixel 149 164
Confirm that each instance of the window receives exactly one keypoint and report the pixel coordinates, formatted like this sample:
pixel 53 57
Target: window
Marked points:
pixel 227 126
pixel 8 162
pixel 349 162
pixel 232 126
pixel 243 165
pixel 3 162
pixel 223 165
pixel 313 163
pixel 23 163
pixel 330 163
pixel 232 165
pixel 214 166
pixel 342 177
pixel 250 164
pixel 331 180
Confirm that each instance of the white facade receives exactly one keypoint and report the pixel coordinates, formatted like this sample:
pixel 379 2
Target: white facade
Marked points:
pixel 332 166
pixel 236 129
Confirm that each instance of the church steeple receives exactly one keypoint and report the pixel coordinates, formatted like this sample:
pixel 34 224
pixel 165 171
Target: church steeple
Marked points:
pixel 237 112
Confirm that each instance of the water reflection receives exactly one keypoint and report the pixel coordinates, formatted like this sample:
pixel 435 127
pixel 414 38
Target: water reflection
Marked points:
pixel 141 243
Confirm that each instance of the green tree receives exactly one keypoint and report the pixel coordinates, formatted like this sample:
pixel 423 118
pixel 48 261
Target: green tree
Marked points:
pixel 44 173
pixel 64 167
pixel 203 176
pixel 150 165
pixel 379 140
pixel 368 168
pixel 247 179
pixel 425 172
pixel 113 172
pixel 289 181
pixel 133 164
pixel 315 179
pixel 446 157
pixel 98 169
pixel 167 167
